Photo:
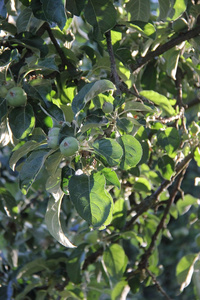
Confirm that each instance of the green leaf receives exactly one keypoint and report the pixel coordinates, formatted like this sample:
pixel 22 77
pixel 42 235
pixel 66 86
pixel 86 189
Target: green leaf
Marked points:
pixel 142 185
pixel 54 12
pixel 183 205
pixel 23 20
pixel 52 165
pixel 139 10
pixel 118 289
pixel 109 149
pixel 75 6
pixel 119 213
pixel 3 108
pixel 22 151
pixel 31 41
pixel 101 15
pixel 169 140
pixel 90 91
pixel 74 264
pixel 22 121
pixel 177 9
pixel 159 100
pixel 132 152
pixel 111 177
pixel 146 29
pixel 164 6
pixel 137 106
pixel 115 260
pixel 126 124
pixel 31 168
pixel 185 269
pixel 197 156
pixel 166 166
pixel 52 220
pixel 172 58
pixel 8 204
pixel 91 200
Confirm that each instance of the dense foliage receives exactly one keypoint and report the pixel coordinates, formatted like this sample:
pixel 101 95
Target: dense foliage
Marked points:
pixel 100 156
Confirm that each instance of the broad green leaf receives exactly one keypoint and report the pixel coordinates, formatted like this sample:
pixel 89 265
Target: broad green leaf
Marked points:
pixel 33 42
pixel 126 124
pixel 52 220
pixel 119 213
pixel 52 165
pixel 31 168
pixel 139 10
pixel 8 204
pixel 75 6
pixel 38 89
pixel 54 12
pixel 159 100
pixel 132 152
pixel 172 58
pixel 137 106
pixel 23 21
pixel 185 204
pixel 22 151
pixel 146 29
pixel 90 91
pixel 109 149
pixel 177 9
pixel 3 108
pixel 22 121
pixel 166 166
pixel 74 264
pixel 91 200
pixel 185 269
pixel 164 6
pixel 101 15
pixel 169 140
pixel 32 267
pixel 111 177
pixel 142 185
pixel 118 289
pixel 115 260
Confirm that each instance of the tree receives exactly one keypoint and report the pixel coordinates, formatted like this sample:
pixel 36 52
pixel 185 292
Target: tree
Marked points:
pixel 100 152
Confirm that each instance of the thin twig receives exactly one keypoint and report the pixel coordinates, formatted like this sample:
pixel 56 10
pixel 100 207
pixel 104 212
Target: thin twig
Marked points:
pixel 149 201
pixel 165 47
pixel 160 289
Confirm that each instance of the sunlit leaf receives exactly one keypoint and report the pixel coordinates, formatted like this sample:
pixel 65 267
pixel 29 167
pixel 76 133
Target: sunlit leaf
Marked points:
pixel 52 220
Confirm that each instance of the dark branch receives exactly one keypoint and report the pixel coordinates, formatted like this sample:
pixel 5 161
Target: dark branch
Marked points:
pixel 165 47
pixel 161 225
pixel 148 202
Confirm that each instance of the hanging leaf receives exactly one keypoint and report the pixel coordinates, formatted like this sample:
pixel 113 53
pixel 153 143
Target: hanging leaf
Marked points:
pixel 90 91
pixel 109 149
pixel 22 151
pixel 75 6
pixel 115 260
pixel 31 168
pixel 8 203
pixel 101 15
pixel 22 121
pixel 139 10
pixel 91 200
pixel 52 220
pixel 169 140
pixel 54 12
pixel 166 166
pixel 111 177
pixel 185 269
pixel 132 152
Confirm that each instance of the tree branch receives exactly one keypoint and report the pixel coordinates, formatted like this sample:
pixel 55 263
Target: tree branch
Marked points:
pixel 161 225
pixel 149 201
pixel 141 61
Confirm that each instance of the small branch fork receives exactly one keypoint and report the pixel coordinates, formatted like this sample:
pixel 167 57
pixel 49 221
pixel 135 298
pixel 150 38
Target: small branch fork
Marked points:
pixel 148 202
pixel 165 47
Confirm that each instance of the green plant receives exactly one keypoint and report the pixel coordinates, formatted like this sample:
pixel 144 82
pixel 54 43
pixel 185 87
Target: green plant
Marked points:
pixel 99 185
